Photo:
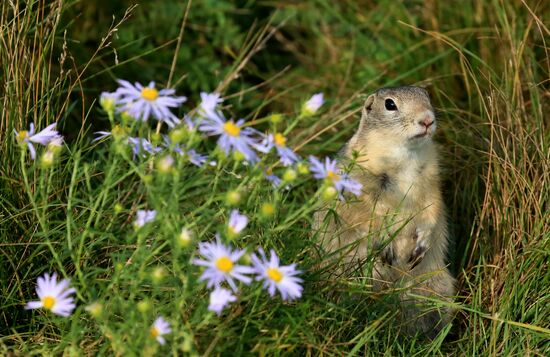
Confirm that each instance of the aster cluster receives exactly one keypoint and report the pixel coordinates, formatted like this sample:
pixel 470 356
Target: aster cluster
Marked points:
pixel 221 265
pixel 224 268
pixel 234 136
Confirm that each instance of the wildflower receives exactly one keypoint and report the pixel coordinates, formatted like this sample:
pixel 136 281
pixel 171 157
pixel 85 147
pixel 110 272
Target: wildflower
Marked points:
pixel 209 102
pixel 233 197
pixel 47 159
pixel 237 222
pixel 274 179
pixel 43 137
pixel 144 216
pixel 108 102
pixel 267 210
pixel 139 145
pixel 198 159
pixel 221 264
pixel 277 140
pixel 276 118
pixel 219 298
pixel 53 296
pixel 144 305
pixel 329 193
pixel 313 104
pixel 165 164
pixel 290 175
pixel 95 309
pixel 233 136
pixel 185 237
pixel 141 102
pixel 330 172
pixel 275 276
pixel 160 328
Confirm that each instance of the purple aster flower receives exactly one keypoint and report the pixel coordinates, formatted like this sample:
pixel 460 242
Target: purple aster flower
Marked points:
pixel 220 262
pixel 209 102
pixel 277 277
pixel 141 102
pixel 277 140
pixel 160 328
pixel 313 104
pixel 219 298
pixel 140 146
pixel 43 137
pixel 144 216
pixel 53 296
pixel 233 136
pixel 330 171
pixel 237 222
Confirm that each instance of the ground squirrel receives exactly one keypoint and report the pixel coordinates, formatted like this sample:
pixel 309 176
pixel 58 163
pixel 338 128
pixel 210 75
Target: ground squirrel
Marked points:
pixel 400 213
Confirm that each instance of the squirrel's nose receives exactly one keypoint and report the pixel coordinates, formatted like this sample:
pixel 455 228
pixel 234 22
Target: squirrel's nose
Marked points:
pixel 427 122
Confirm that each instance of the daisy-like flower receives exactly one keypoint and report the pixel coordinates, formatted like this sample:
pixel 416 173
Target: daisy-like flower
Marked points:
pixel 43 137
pixel 313 104
pixel 53 296
pixel 219 298
pixel 237 222
pixel 141 102
pixel 160 328
pixel 277 277
pixel 220 262
pixel 330 171
pixel 233 136
pixel 209 102
pixel 144 216
pixel 141 146
pixel 278 140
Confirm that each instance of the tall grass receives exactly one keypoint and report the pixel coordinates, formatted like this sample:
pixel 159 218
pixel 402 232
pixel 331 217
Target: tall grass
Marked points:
pixel 487 67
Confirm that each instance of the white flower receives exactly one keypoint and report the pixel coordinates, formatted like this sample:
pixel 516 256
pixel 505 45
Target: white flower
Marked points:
pixel 237 222
pixel 160 328
pixel 219 298
pixel 275 276
pixel 313 104
pixel 141 102
pixel 53 296
pixel 43 137
pixel 144 216
pixel 221 265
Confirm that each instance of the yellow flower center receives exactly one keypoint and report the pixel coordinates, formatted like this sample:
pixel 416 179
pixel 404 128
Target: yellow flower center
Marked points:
pixel 333 176
pixel 224 264
pixel 231 129
pixel 154 332
pixel 280 140
pixel 48 302
pixel 274 274
pixel 22 135
pixel 150 94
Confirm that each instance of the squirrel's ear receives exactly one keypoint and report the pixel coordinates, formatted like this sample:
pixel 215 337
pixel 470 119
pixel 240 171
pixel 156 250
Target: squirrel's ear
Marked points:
pixel 367 107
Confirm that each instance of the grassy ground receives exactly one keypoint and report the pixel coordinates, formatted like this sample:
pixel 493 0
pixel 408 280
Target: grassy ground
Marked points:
pixel 486 65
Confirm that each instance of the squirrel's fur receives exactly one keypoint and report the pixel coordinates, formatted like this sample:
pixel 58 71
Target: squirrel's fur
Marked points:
pixel 400 213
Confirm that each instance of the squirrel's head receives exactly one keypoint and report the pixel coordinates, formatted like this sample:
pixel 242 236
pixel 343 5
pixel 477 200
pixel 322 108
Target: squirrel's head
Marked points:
pixel 403 113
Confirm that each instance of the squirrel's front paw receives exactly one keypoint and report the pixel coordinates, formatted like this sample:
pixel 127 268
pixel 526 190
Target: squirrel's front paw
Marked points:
pixel 420 249
pixel 387 256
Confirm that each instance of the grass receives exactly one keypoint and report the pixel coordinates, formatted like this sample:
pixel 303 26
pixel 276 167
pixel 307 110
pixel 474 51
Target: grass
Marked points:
pixel 487 68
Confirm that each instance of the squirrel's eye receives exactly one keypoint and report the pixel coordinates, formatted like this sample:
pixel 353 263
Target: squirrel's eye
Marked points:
pixel 390 104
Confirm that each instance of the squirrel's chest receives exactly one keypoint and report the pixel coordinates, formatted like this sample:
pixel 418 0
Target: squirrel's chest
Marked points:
pixel 400 187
